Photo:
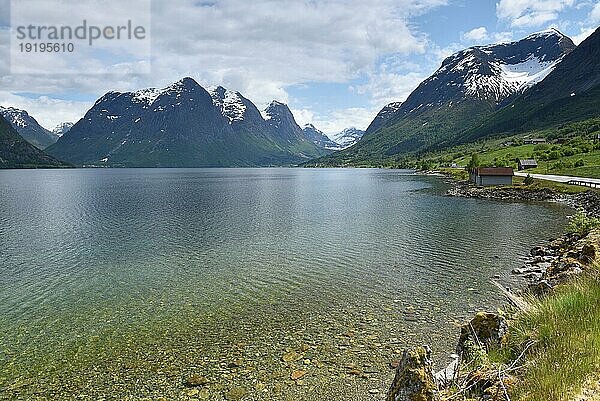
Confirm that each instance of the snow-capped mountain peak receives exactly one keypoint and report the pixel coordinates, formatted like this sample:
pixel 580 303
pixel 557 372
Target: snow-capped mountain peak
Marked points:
pixel 317 136
pixel 546 33
pixel 277 113
pixel 229 102
pixel 16 117
pixel 149 95
pixel 62 128
pixel 348 137
pixel 492 73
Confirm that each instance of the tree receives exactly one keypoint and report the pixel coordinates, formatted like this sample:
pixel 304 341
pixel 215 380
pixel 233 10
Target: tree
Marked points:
pixel 474 162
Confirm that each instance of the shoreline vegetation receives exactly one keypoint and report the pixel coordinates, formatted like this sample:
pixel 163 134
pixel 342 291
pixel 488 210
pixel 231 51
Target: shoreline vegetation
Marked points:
pixel 545 343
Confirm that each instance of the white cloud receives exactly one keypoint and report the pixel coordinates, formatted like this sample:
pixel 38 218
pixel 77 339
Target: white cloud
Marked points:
pixel 595 14
pixel 476 35
pixel 503 37
pixel 246 48
pixel 304 116
pixel 382 88
pixel 587 27
pixel 531 13
pixel 385 87
pixel 585 32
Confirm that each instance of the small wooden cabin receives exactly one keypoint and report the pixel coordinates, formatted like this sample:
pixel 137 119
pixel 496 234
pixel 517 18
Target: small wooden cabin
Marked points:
pixel 486 176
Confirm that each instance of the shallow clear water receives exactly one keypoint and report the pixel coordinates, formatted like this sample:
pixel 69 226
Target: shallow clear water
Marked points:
pixel 120 283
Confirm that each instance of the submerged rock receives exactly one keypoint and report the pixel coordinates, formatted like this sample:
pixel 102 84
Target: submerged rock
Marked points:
pixel 297 374
pixel 195 381
pixel 414 380
pixel 236 393
pixel 291 356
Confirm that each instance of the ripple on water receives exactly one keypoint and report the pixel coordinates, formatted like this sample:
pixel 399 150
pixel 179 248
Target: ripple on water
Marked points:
pixel 139 277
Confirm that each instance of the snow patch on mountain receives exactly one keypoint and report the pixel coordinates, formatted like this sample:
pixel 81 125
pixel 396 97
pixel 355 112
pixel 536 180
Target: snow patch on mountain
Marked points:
pixel 527 73
pixel 391 108
pixel 384 115
pixel 229 102
pixel 499 71
pixel 506 79
pixel 544 34
pixel 147 96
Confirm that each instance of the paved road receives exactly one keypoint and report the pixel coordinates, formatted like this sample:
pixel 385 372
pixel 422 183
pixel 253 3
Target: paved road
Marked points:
pixel 557 178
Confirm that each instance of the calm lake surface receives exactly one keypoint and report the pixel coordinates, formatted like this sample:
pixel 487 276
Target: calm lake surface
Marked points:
pixel 120 283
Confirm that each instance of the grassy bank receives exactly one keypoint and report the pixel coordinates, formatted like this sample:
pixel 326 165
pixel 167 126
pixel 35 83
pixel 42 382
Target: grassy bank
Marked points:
pixel 565 332
pixel 551 351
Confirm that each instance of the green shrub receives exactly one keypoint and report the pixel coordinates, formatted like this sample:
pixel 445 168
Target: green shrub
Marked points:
pixel 582 224
pixel 528 180
pixel 562 164
pixel 555 154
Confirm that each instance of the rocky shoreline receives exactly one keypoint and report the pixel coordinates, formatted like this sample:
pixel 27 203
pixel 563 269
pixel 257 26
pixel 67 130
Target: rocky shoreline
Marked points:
pixel 557 261
pixel 588 200
pixel 547 266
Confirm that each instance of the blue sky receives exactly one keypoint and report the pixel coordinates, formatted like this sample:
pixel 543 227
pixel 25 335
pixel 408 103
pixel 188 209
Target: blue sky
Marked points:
pixel 335 62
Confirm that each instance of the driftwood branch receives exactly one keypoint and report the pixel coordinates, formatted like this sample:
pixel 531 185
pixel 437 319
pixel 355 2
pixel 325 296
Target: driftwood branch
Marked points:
pixel 515 300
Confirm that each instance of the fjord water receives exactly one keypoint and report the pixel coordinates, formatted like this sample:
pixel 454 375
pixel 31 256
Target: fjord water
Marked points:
pixel 120 283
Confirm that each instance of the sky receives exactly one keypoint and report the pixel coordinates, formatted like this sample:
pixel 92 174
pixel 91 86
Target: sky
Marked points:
pixel 336 63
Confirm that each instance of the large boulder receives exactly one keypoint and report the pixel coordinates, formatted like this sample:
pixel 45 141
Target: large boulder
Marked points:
pixel 588 248
pixel 486 330
pixel 540 288
pixel 414 380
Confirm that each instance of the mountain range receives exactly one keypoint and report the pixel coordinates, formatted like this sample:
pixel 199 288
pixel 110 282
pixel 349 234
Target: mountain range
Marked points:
pixel 570 93
pixel 185 125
